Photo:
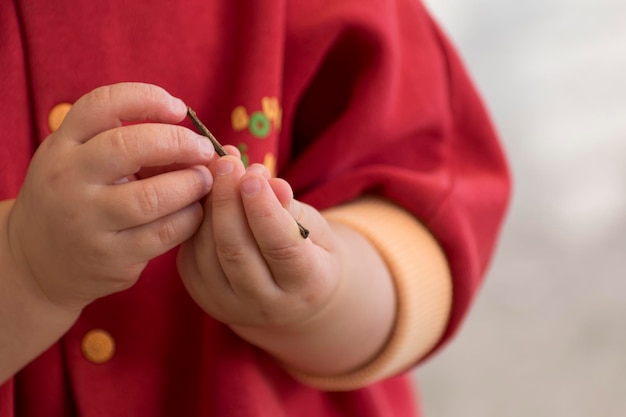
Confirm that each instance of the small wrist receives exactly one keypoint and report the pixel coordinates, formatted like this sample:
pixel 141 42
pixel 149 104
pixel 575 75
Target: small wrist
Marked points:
pixel 29 322
pixel 17 270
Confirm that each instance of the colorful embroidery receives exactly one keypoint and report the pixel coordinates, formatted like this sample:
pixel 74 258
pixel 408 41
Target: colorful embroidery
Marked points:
pixel 239 118
pixel 272 110
pixel 243 150
pixel 258 123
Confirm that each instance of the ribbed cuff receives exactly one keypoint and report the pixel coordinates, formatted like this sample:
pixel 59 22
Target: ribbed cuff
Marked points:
pixel 422 282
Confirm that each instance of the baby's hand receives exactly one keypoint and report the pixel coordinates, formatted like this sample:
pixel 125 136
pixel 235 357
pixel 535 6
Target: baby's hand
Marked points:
pixel 248 266
pixel 101 199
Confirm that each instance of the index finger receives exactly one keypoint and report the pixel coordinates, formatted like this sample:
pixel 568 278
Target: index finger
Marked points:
pixel 121 152
pixel 107 107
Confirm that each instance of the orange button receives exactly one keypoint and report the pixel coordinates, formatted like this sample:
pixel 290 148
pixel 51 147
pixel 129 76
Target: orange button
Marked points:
pixel 57 115
pixel 98 346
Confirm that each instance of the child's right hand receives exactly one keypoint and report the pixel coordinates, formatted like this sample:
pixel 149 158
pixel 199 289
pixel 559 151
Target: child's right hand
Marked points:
pixel 101 199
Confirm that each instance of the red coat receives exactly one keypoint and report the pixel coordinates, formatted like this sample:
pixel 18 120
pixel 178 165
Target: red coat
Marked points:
pixel 342 97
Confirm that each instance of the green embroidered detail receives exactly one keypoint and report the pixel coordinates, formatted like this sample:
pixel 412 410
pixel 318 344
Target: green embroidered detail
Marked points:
pixel 243 149
pixel 259 125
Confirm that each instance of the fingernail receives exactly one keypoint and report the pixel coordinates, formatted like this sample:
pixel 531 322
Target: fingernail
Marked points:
pixel 178 105
pixel 259 169
pixel 224 167
pixel 250 185
pixel 205 173
pixel 206 148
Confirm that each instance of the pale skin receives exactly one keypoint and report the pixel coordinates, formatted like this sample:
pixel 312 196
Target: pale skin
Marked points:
pixel 100 200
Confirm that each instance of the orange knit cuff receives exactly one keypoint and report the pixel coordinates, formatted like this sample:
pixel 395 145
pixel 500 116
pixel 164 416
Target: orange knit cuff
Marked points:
pixel 422 282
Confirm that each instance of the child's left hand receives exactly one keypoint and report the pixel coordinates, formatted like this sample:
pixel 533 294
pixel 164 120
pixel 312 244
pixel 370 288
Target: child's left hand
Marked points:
pixel 248 266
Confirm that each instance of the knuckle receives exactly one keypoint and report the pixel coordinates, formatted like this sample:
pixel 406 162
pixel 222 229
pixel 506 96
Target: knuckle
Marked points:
pixel 104 96
pixel 148 200
pixel 231 253
pixel 179 139
pixel 119 142
pixel 101 97
pixel 261 214
pixel 284 253
pixel 154 98
pixel 221 201
pixel 171 140
pixel 150 92
pixel 168 233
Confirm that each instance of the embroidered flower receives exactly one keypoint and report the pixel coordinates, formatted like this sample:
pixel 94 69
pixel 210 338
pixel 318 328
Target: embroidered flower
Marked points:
pixel 258 123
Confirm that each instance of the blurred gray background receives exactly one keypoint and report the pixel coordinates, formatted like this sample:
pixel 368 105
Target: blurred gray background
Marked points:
pixel 547 335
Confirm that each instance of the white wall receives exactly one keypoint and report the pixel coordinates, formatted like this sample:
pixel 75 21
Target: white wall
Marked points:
pixel 547 336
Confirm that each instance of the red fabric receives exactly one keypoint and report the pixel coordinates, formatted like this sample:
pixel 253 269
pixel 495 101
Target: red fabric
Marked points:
pixel 374 100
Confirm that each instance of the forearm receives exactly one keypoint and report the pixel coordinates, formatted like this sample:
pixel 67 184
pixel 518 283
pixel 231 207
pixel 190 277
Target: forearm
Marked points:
pixel 29 323
pixel 351 329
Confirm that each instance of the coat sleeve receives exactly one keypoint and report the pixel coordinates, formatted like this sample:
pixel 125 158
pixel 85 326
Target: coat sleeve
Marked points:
pixel 390 111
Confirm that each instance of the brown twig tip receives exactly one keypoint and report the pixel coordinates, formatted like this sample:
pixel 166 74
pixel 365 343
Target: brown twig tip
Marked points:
pixel 304 232
pixel 204 131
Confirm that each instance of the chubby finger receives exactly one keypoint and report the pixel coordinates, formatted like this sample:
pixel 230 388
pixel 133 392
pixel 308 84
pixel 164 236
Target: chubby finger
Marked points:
pixel 123 151
pixel 235 246
pixel 230 151
pixel 277 235
pixel 143 201
pixel 107 107
pixel 307 217
pixel 283 191
pixel 201 273
pixel 153 239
